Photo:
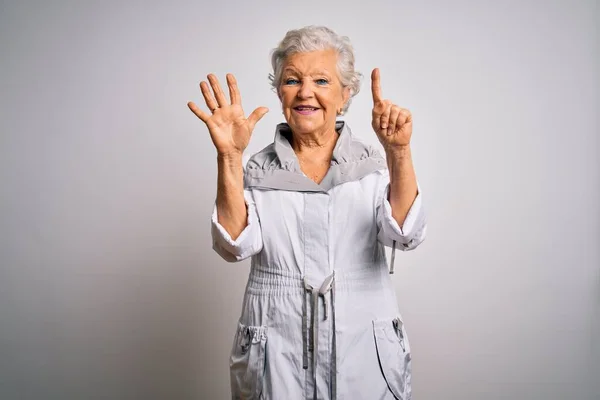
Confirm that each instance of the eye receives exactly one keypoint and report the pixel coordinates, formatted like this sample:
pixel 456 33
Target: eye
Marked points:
pixel 322 81
pixel 291 81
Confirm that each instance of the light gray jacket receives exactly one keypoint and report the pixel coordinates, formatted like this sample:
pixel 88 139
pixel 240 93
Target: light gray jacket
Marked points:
pixel 320 318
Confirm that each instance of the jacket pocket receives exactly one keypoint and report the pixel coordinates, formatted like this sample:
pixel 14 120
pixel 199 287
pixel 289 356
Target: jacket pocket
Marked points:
pixel 247 362
pixel 394 356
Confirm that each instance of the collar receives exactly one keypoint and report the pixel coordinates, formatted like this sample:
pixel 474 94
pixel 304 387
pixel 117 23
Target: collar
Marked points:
pixel 287 156
pixel 277 167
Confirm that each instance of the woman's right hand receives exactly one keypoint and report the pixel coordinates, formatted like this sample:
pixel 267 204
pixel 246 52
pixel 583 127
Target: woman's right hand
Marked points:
pixel 229 129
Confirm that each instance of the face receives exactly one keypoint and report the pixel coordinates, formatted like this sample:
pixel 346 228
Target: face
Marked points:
pixel 311 92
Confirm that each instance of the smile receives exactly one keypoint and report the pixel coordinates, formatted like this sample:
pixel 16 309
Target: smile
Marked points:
pixel 305 110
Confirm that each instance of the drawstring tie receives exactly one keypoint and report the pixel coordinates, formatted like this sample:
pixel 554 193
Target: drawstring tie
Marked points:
pixel 312 346
pixel 393 257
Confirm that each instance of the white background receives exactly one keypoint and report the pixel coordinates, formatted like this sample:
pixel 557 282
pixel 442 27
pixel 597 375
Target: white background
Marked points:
pixel 109 288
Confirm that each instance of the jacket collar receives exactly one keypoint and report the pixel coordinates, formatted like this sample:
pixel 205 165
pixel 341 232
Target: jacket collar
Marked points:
pixel 277 167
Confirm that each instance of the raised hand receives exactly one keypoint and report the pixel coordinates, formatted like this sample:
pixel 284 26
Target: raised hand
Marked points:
pixel 392 124
pixel 229 129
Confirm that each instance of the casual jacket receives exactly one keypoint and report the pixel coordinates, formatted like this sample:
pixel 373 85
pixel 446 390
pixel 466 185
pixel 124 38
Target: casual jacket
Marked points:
pixel 320 319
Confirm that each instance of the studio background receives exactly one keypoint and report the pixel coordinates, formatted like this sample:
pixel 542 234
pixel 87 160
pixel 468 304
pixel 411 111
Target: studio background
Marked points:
pixel 109 288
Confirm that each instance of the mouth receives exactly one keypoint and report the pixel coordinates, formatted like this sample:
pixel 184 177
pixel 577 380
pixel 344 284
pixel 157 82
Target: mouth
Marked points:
pixel 305 110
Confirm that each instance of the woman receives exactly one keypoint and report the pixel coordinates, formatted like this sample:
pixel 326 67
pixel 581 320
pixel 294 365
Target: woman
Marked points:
pixel 314 210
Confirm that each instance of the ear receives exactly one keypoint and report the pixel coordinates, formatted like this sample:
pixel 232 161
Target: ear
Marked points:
pixel 345 95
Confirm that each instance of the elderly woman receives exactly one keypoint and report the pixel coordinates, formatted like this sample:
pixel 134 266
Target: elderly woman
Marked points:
pixel 314 210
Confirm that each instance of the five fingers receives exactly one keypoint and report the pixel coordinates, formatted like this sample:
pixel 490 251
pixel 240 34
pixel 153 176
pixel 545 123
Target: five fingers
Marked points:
pixel 213 102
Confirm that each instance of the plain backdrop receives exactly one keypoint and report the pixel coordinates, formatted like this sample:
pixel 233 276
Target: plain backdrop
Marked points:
pixel 109 288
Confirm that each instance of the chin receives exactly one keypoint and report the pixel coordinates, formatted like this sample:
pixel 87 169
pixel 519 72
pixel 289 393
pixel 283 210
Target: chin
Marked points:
pixel 307 126
pixel 304 128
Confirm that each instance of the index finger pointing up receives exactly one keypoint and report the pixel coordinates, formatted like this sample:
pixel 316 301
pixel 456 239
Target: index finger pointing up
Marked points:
pixel 375 86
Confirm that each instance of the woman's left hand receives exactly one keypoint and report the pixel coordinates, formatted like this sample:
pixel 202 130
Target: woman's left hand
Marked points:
pixel 392 124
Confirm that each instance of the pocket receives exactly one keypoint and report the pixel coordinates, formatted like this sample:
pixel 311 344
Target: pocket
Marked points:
pixel 393 351
pixel 247 362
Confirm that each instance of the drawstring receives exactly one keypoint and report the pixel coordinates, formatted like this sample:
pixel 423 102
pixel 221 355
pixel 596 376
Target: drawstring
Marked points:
pixel 304 329
pixel 312 346
pixel 393 257
pixel 334 353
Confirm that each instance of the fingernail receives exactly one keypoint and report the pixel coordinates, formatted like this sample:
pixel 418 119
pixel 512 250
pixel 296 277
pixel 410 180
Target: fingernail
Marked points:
pixel 383 126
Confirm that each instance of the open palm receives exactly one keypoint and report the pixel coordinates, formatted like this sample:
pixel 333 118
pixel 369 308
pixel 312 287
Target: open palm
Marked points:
pixel 229 128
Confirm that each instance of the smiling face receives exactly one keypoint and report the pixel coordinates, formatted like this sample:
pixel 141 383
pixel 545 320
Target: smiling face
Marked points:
pixel 311 92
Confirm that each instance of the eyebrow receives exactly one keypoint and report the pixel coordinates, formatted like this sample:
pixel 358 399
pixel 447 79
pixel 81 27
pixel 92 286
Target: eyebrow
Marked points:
pixel 295 71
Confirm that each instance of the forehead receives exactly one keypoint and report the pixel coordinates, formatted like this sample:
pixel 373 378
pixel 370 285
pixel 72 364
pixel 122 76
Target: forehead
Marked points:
pixel 312 62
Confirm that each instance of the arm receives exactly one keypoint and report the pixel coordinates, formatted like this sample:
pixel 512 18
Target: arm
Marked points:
pixel 235 226
pixel 231 207
pixel 403 182
pixel 236 230
pixel 400 215
pixel 408 230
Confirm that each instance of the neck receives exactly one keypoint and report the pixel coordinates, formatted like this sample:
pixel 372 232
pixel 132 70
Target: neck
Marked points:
pixel 315 144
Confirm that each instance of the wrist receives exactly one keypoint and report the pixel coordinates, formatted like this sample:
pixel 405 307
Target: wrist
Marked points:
pixel 397 152
pixel 229 157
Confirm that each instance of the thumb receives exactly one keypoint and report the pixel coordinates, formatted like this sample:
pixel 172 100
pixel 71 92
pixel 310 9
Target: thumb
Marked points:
pixel 256 116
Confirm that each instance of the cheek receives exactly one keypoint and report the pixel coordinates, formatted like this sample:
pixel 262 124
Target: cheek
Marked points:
pixel 286 99
pixel 330 99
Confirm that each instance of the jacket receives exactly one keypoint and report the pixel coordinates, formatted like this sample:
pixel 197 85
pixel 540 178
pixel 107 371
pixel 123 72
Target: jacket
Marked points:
pixel 320 318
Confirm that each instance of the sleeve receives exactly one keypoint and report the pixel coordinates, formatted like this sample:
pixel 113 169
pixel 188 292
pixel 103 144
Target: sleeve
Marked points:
pixel 248 243
pixel 413 230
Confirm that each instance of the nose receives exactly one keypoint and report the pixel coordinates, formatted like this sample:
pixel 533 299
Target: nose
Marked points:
pixel 306 90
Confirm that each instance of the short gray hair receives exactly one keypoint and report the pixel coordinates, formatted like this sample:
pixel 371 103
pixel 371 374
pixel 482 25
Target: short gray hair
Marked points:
pixel 314 38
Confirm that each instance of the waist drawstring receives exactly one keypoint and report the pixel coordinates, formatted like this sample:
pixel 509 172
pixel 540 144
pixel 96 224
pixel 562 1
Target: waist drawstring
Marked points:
pixel 393 257
pixel 312 346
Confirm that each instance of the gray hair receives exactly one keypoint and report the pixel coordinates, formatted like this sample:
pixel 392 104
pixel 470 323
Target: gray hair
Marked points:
pixel 314 38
